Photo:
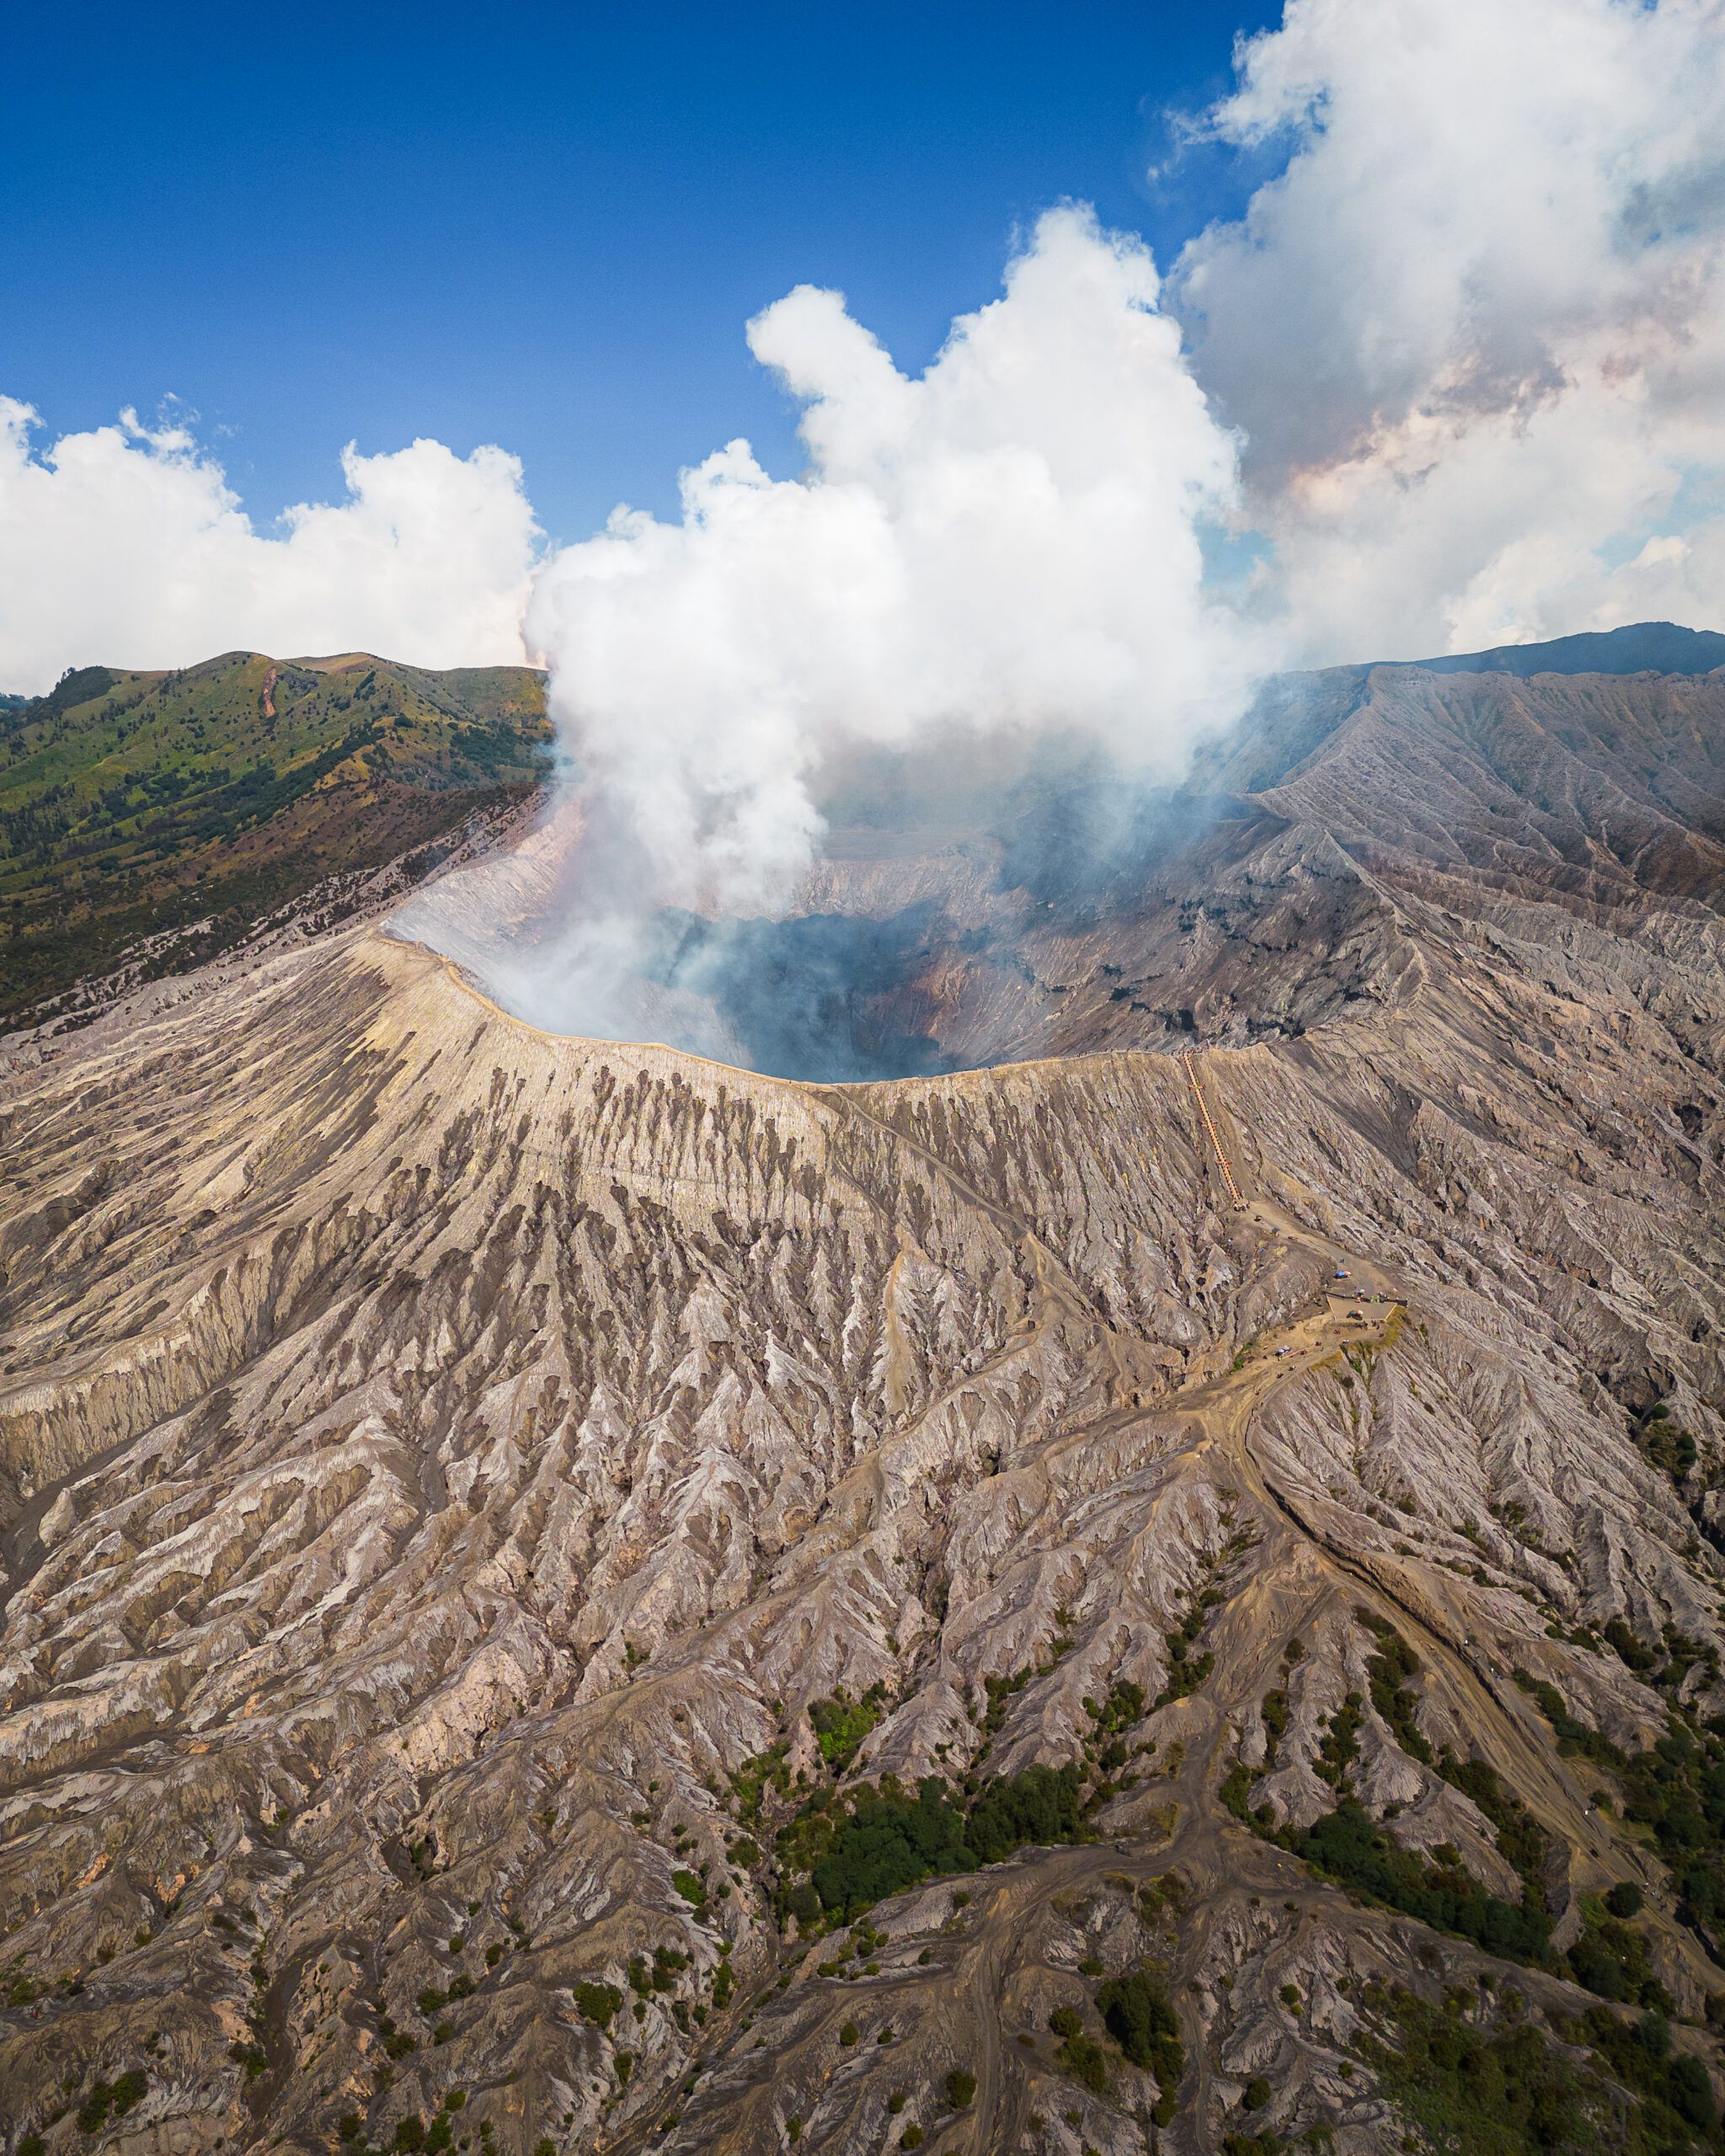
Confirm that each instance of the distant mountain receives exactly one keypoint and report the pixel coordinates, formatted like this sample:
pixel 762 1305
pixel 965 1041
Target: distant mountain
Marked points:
pixel 161 814
pixel 1638 648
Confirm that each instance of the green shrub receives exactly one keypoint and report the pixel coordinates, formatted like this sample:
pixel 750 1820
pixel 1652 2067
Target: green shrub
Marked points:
pixel 115 2097
pixel 960 2087
pixel 1390 1670
pixel 1346 1845
pixel 1612 1959
pixel 597 2003
pixel 1138 2013
pixel 1674 2092
pixel 841 1723
pixel 1689 2093
pixel 1258 2093
pixel 1626 1899
pixel 1041 1805
pixel 888 1843
pixel 1083 2058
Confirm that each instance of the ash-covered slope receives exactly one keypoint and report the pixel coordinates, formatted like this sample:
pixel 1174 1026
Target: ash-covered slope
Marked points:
pixel 1365 821
pixel 479 1506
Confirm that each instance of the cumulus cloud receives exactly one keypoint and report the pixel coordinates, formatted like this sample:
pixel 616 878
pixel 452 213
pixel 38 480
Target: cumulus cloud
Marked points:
pixel 1474 331
pixel 1012 540
pixel 126 545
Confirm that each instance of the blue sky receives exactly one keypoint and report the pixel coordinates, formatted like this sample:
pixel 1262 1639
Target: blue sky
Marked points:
pixel 545 226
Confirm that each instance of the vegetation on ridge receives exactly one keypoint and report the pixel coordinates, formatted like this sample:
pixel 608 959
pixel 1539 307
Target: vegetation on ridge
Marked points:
pixel 182 806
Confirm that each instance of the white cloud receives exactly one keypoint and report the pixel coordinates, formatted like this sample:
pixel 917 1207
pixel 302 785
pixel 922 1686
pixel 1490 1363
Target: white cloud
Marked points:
pixel 1010 540
pixel 125 545
pixel 1475 331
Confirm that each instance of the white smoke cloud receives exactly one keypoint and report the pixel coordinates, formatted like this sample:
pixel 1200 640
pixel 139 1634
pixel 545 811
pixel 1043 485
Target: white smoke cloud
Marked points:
pixel 1012 539
pixel 125 545
pixel 1456 377
pixel 1474 332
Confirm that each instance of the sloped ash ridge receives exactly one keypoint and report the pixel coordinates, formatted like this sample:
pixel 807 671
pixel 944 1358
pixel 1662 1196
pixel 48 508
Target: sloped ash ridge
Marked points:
pixel 439 1459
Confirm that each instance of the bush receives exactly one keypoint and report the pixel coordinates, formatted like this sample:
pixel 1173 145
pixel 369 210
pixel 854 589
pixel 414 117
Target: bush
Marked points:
pixel 1258 2093
pixel 690 1886
pixel 1346 1846
pixel 1509 2091
pixel 1653 2032
pixel 1675 2092
pixel 117 2097
pixel 1612 1959
pixel 888 1843
pixel 1689 2093
pixel 1041 1804
pixel 849 2034
pixel 1085 2060
pixel 1626 1899
pixel 960 2087
pixel 841 1723
pixel 1138 2013
pixel 597 2003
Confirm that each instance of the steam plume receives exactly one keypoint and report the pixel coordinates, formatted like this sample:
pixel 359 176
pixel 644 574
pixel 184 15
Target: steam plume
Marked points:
pixel 1010 544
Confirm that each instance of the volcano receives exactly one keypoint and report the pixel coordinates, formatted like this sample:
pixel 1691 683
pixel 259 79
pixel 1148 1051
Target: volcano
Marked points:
pixel 1107 1536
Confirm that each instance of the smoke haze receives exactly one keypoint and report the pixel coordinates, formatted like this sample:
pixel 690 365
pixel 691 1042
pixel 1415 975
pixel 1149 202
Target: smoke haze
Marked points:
pixel 1010 542
pixel 1008 548
pixel 1454 378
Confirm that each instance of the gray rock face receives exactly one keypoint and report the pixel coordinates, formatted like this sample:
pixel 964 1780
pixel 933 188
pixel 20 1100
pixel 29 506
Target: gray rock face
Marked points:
pixel 441 1464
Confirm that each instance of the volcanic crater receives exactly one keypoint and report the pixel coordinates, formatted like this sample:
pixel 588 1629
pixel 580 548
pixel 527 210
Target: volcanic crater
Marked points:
pixel 1071 1560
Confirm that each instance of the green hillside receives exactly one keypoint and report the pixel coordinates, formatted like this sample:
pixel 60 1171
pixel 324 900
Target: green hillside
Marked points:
pixel 195 801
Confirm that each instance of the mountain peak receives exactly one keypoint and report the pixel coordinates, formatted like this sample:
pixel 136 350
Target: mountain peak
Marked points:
pixel 1636 647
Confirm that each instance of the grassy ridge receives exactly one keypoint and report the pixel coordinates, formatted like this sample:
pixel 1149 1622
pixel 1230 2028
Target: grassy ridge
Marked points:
pixel 195 800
